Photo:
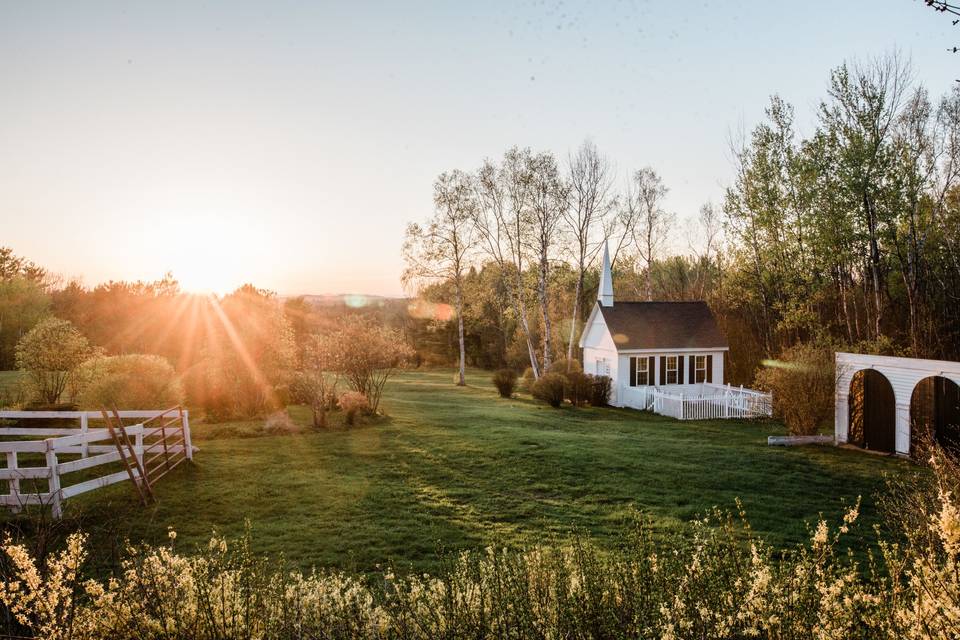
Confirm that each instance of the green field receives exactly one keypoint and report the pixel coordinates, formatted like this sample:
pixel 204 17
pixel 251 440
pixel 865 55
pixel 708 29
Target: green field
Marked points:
pixel 454 468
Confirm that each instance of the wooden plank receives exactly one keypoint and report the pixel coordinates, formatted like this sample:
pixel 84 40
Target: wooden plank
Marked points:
pixel 95 483
pixel 37 431
pixel 86 463
pixel 123 457
pixel 93 436
pixel 24 499
pixel 24 473
pixel 24 446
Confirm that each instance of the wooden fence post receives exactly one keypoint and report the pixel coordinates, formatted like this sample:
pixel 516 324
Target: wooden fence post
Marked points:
pixel 84 428
pixel 55 509
pixel 187 442
pixel 14 483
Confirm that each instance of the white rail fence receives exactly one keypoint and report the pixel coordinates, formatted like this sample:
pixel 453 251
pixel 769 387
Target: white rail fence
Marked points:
pixel 86 447
pixel 705 401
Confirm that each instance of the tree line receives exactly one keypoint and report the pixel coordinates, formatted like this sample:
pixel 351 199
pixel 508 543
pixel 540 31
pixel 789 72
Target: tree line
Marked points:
pixel 848 237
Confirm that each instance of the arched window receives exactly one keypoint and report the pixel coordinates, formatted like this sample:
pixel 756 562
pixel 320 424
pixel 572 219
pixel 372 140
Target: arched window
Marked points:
pixel 873 415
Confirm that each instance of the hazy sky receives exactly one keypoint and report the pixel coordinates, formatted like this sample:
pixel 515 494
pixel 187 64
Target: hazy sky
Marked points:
pixel 288 143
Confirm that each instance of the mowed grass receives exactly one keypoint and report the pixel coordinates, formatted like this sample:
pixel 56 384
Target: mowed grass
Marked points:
pixel 456 468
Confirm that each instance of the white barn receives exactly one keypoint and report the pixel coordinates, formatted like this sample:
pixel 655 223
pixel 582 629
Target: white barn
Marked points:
pixel 888 404
pixel 673 348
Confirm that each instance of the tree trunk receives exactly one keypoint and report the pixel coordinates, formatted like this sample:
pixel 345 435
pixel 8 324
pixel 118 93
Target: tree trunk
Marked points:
pixel 545 312
pixel 461 380
pixel 573 319
pixel 874 259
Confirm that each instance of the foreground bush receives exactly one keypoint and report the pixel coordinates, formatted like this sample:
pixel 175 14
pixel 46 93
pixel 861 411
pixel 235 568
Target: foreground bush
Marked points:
pixel 549 388
pixel 505 380
pixel 134 381
pixel 716 581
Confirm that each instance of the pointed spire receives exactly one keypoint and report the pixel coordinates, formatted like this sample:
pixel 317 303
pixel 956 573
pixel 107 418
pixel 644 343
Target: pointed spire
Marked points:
pixel 605 292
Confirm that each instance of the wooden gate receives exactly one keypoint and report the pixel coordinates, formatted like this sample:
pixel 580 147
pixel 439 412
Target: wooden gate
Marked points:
pixel 164 447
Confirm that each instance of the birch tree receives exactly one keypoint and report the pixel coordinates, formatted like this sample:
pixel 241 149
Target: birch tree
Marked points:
pixel 548 201
pixel 441 250
pixel 590 201
pixel 653 223
pixel 503 196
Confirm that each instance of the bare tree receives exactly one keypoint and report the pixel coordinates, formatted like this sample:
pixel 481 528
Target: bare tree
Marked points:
pixel 442 249
pixel 710 226
pixel 503 196
pixel 653 223
pixel 548 201
pixel 590 201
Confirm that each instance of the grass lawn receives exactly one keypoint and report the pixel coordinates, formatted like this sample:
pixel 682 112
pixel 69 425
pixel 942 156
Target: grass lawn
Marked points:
pixel 454 468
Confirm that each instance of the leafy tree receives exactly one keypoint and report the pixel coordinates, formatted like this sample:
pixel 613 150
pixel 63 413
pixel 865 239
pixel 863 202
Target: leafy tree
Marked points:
pixel 442 249
pixel 49 354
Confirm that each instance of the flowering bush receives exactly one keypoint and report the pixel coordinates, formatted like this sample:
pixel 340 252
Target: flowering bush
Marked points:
pixel 719 581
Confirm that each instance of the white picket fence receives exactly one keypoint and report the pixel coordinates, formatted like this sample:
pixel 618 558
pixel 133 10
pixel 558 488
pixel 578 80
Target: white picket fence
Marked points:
pixel 704 401
pixel 86 447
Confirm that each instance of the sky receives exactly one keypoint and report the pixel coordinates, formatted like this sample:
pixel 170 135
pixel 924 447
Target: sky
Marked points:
pixel 288 144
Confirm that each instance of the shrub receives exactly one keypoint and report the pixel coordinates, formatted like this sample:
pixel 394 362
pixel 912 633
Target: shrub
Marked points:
pixel 505 380
pixel 802 382
pixel 134 381
pixel 366 355
pixel 600 389
pixel 49 354
pixel 579 388
pixel 549 388
pixel 353 403
pixel 313 389
pixel 279 424
pixel 564 366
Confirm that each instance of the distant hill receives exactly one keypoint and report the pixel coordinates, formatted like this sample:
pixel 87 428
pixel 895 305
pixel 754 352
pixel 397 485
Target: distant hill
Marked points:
pixel 348 299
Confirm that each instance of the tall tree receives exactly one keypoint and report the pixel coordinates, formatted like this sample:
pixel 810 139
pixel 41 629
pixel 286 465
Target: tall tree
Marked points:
pixel 441 250
pixel 503 193
pixel 590 200
pixel 548 200
pixel 860 116
pixel 653 223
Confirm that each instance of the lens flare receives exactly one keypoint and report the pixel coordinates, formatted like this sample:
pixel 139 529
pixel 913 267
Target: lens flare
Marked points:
pixel 423 310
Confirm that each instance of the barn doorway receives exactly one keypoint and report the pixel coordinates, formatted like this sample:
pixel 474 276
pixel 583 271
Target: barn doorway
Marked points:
pixel 873 415
pixel 935 413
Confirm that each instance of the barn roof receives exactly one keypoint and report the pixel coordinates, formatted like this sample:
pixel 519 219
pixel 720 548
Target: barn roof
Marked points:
pixel 663 325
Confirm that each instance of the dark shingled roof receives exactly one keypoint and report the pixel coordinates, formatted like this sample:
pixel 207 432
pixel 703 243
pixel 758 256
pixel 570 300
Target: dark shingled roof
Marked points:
pixel 663 325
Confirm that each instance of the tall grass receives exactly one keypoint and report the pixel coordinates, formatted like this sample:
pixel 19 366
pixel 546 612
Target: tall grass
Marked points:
pixel 718 581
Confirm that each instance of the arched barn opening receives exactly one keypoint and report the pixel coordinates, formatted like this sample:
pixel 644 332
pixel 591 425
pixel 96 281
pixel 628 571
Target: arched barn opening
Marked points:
pixel 872 412
pixel 935 413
